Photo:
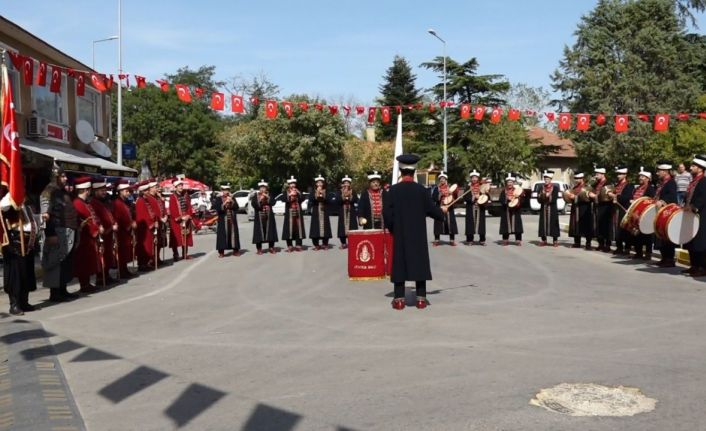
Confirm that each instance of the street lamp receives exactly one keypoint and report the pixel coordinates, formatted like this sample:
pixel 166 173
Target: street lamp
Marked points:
pixel 119 148
pixel 93 65
pixel 433 33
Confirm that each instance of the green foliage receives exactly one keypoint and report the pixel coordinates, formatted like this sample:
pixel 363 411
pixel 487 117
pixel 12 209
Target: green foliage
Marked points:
pixel 398 89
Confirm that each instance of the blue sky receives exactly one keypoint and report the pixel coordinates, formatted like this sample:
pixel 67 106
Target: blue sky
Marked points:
pixel 333 49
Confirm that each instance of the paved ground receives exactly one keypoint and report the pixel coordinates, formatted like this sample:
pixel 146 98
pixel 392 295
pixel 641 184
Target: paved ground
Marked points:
pixel 286 342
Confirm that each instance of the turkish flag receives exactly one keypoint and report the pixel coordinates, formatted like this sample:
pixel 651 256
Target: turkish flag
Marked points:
pixel 550 116
pixel 622 122
pixel 163 85
pixel 495 115
pixel 55 85
pixel 236 103
pixel 11 164
pixel 682 116
pixel 126 77
pixel 271 109
pixel 513 114
pixel 600 119
pixel 80 83
pixel 702 115
pixel 398 109
pixel 583 122
pixel 410 107
pixel 661 123
pixel 465 111
pixel 198 92
pixel 28 70
pixel 432 107
pixel 643 117
pixel 17 59
pixel 304 106
pixel 141 81
pixel 42 74
pixel 319 107
pixel 333 109
pixel 564 121
pixel 479 112
pixel 347 110
pixel 254 100
pixel 183 93
pixel 371 114
pixel 109 82
pixel 385 110
pixel 530 113
pixel 442 104
pixel 360 110
pixel 288 109
pixel 218 101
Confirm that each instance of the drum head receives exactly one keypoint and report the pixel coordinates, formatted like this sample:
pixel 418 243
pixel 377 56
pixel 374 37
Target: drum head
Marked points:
pixel 682 227
pixel 647 220
pixel 513 203
pixel 453 188
pixel 482 199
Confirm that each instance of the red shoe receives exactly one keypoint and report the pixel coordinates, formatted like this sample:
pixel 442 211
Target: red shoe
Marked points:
pixel 518 243
pixel 298 248
pixel 188 257
pixel 421 302
pixel 435 244
pixel 556 244
pixel 398 303
pixel 316 248
pixel 236 253
pixel 344 246
pixel 542 243
pixel 220 255
pixel 453 244
pixel 506 242
pixel 290 249
pixel 272 250
pixel 259 252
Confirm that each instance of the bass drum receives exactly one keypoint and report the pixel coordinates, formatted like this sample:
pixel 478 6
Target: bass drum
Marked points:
pixel 631 220
pixel 675 225
pixel 482 199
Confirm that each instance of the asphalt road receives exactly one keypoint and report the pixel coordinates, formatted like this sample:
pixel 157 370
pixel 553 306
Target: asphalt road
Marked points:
pixel 287 342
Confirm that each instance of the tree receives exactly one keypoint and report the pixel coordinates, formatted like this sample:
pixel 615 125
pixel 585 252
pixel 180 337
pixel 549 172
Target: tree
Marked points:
pixel 175 137
pixel 629 57
pixel 259 87
pixel 361 157
pixel 308 144
pixel 527 98
pixel 398 89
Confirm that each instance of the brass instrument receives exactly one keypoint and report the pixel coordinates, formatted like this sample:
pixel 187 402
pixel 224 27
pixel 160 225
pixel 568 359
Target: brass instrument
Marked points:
pixel 569 196
pixel 346 193
pixel 101 253
pixel 293 194
pixel 319 194
pixel 605 194
pixel 584 194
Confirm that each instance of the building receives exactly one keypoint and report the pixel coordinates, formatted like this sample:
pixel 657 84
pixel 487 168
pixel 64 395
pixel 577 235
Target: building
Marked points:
pixel 563 160
pixel 48 121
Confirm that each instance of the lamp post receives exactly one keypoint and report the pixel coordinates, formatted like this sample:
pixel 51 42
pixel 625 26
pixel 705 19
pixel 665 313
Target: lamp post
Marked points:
pixel 119 147
pixel 93 65
pixel 433 33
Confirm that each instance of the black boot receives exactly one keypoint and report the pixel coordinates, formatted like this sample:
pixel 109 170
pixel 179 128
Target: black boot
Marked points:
pixel 15 309
pixel 56 295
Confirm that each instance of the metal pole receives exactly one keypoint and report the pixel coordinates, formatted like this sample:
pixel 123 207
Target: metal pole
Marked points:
pixel 120 87
pixel 93 65
pixel 446 168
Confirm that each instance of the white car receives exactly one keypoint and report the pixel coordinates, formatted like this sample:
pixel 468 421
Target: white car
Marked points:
pixel 242 197
pixel 560 204
pixel 278 208
pixel 201 202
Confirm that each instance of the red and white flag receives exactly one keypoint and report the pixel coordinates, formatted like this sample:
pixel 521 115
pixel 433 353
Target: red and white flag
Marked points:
pixel 496 115
pixel 643 117
pixel 465 111
pixel 303 106
pixel 236 103
pixel 333 109
pixel 55 85
pixel 432 107
pixel 360 110
pixel 371 114
pixel 218 102
pixel 42 74
pixel 288 109
pixel 254 100
pixel 17 59
pixel 385 111
pixel 163 85
pixel 10 154
pixel 80 83
pixel 271 109
pixel 564 121
pixel 183 93
pixel 347 110
pixel 550 116
pixel 661 123
pixel 682 116
pixel 600 119
pixel 583 122
pixel 126 77
pixel 479 113
pixel 513 114
pixel 98 82
pixel 198 92
pixel 622 123
pixel 141 81
pixel 319 107
pixel 28 70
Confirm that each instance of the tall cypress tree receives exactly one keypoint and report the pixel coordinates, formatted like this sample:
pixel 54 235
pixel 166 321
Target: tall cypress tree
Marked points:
pixel 398 89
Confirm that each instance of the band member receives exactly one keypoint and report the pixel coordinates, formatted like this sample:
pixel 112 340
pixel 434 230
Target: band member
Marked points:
pixel 19 232
pixel 370 205
pixel 643 242
pixel 264 228
pixel 156 193
pixel 60 227
pixel 581 219
pixel 125 234
pixel 181 226
pixel 86 262
pixel 448 225
pixel 407 205
pixel 227 235
pixel 548 212
pixel 147 234
pixel 511 216
pixel 475 213
pixel 346 199
pixel 601 211
pixel 696 202
pixel 621 197
pixel 106 241
pixel 665 194
pixel 293 229
pixel 319 201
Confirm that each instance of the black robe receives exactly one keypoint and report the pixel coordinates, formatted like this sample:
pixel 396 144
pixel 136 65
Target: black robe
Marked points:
pixel 448 225
pixel 320 227
pixel 407 204
pixel 602 217
pixel 581 219
pixel 549 215
pixel 668 194
pixel 227 234
pixel 475 217
pixel 617 233
pixel 347 214
pixel 697 200
pixel 365 210
pixel 510 218
pixel 293 227
pixel 264 225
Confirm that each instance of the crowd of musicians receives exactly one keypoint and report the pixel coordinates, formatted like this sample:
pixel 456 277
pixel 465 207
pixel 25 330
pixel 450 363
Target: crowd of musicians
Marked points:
pixel 87 232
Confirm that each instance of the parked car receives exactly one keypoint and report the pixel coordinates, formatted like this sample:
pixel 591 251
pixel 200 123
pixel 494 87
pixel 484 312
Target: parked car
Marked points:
pixel 278 207
pixel 560 204
pixel 242 197
pixel 201 202
pixel 494 207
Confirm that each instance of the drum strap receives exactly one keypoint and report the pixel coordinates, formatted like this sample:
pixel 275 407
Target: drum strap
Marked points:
pixel 639 192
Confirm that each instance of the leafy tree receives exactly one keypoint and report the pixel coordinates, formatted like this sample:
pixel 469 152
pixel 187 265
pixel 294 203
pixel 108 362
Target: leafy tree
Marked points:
pixel 527 98
pixel 398 89
pixel 259 87
pixel 361 157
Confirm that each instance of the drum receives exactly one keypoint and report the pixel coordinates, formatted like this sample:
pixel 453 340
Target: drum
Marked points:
pixel 446 200
pixel 515 201
pixel 368 256
pixel 632 218
pixel 568 196
pixel 676 225
pixel 482 199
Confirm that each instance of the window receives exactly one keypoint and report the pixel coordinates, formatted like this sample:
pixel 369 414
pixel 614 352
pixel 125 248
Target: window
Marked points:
pixel 89 108
pixel 14 80
pixel 51 106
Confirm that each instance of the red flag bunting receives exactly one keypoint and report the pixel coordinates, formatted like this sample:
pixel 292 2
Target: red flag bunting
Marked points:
pixel 198 92
pixel 236 104
pixel 254 101
pixel 55 85
pixel 319 107
pixel 271 109
pixel 141 81
pixel 288 109
pixel 479 112
pixel 183 93
pixel 583 122
pixel 385 111
pixel 360 110
pixel 643 117
pixel 661 123
pixel 465 111
pixel 410 107
pixel 347 110
pixel 564 121
pixel 80 83
pixel 42 74
pixel 550 116
pixel 371 114
pixel 702 115
pixel 496 115
pixel 11 171
pixel 530 113
pixel 333 109
pixel 218 101
pixel 600 119
pixel 28 70
pixel 513 114
pixel 109 82
pixel 622 123
pixel 682 116
pixel 163 85
pixel 398 109
pixel 303 106
pixel 17 59
pixel 432 107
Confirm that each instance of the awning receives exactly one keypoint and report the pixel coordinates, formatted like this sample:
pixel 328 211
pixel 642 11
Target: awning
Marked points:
pixel 77 161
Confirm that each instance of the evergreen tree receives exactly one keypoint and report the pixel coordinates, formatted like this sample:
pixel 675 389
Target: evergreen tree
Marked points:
pixel 398 89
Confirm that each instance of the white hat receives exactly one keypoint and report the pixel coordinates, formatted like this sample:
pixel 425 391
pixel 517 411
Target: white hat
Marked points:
pixel 374 175
pixel 347 178
pixel 443 175
pixel 177 182
pixel 320 178
pixel 621 170
pixel 144 187
pixel 664 165
pixel 510 177
pixel 225 186
pixel 578 176
pixel 644 173
pixel 99 184
pixel 291 180
pixel 599 171
pixel 263 183
pixel 122 186
pixel 548 174
pixel 474 173
pixel 699 160
pixel 152 184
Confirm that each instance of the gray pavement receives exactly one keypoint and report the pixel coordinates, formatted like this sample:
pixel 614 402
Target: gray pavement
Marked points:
pixel 287 342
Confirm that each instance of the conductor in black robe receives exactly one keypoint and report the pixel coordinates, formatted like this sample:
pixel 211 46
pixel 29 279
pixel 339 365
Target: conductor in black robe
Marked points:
pixel 696 202
pixel 581 218
pixel 293 229
pixel 548 212
pixel 264 225
pixel 320 201
pixel 448 225
pixel 643 242
pixel 346 200
pixel 227 234
pixel 510 217
pixel 407 205
pixel 370 204
pixel 665 194
pixel 475 213
pixel 621 195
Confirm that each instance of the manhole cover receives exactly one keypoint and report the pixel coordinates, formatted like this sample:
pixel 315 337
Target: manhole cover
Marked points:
pixel 588 399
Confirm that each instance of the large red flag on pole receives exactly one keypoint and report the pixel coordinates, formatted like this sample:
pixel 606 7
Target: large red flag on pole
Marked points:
pixel 10 156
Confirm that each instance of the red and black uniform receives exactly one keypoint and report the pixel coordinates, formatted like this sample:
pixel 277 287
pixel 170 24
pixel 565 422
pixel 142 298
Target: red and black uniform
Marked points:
pixel 643 242
pixel 293 228
pixel 86 261
pixel 18 231
pixel 475 214
pixel 448 225
pixel 264 227
pixel 581 219
pixel 147 218
pixel 106 219
pixel 549 212
pixel 347 216
pixel 623 238
pixel 180 228
pixel 602 218
pixel 511 218
pixel 125 235
pixel 370 208
pixel 696 201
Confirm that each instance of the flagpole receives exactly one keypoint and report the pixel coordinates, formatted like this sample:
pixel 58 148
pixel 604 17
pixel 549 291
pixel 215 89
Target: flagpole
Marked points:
pixel 119 147
pixel 398 151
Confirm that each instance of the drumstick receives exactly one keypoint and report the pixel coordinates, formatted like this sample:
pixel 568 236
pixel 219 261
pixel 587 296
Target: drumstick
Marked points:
pixel 459 198
pixel 621 207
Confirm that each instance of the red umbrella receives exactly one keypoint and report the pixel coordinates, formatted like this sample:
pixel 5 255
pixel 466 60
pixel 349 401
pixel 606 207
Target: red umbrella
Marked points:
pixel 189 184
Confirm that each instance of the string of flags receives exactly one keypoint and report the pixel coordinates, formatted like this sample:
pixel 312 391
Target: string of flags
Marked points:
pixel 218 101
